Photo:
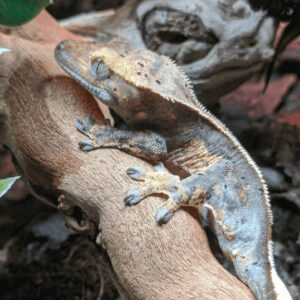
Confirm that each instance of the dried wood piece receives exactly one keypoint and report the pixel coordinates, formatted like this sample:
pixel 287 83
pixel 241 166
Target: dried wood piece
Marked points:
pixel 219 44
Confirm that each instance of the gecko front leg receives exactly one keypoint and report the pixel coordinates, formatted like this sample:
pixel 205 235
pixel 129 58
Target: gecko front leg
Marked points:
pixel 147 145
pixel 186 192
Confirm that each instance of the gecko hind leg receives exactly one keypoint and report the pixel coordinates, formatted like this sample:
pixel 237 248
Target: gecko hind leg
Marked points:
pixel 179 192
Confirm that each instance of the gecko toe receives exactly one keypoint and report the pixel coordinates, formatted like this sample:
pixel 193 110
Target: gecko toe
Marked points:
pixel 135 173
pixel 160 167
pixel 90 120
pixel 107 123
pixel 80 125
pixel 84 126
pixel 86 145
pixel 163 215
pixel 133 196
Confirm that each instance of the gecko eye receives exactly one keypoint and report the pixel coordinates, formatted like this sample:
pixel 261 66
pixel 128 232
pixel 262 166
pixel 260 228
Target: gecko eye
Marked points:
pixel 99 69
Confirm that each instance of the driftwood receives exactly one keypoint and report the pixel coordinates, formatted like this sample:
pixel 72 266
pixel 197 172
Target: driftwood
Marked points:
pixel 38 107
pixel 219 44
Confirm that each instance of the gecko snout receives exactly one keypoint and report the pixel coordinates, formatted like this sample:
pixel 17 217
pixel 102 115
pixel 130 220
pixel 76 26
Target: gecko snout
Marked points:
pixel 59 48
pixel 61 54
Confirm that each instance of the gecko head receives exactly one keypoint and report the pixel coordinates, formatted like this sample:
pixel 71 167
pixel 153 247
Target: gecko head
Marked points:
pixel 99 68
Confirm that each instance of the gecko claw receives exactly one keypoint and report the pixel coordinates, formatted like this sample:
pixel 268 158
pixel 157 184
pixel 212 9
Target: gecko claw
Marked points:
pixel 86 125
pixel 107 123
pixel 80 125
pixel 133 197
pixel 86 145
pixel 163 216
pixel 90 120
pixel 135 173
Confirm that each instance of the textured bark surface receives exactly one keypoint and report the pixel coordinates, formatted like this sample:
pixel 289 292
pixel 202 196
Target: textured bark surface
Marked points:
pixel 219 44
pixel 38 108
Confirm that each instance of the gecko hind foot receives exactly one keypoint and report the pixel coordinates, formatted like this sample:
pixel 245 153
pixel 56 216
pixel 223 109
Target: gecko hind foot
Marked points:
pixel 157 182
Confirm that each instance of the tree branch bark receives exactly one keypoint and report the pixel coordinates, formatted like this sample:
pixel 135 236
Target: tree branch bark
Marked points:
pixel 38 108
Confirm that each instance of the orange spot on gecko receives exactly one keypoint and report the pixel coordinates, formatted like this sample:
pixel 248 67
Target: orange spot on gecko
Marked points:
pixel 198 197
pixel 229 171
pixel 245 260
pixel 217 189
pixel 172 116
pixel 227 231
pixel 141 115
pixel 243 194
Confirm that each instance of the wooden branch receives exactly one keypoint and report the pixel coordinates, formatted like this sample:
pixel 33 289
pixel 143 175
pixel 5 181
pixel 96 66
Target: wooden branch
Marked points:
pixel 38 108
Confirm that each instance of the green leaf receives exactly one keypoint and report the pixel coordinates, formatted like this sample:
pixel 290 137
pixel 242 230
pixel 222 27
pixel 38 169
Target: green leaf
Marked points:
pixel 6 184
pixel 18 12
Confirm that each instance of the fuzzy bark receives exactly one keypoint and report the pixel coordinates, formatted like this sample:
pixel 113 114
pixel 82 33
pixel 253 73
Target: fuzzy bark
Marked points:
pixel 38 107
pixel 219 44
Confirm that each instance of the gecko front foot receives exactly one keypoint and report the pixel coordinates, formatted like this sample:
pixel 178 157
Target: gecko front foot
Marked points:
pixel 98 134
pixel 159 182
pixel 148 145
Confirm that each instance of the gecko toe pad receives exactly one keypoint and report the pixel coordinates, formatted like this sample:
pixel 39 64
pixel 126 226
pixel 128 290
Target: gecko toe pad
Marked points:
pixel 86 145
pixel 135 173
pixel 163 215
pixel 133 196
pixel 160 167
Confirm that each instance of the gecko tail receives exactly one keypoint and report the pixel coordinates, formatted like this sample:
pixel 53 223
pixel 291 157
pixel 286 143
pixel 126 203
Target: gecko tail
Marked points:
pixel 280 289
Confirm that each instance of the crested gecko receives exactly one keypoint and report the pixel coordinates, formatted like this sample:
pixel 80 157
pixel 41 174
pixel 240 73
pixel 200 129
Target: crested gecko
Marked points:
pixel 168 126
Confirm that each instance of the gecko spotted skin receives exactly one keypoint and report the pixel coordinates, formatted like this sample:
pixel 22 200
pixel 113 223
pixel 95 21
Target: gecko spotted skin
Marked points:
pixel 169 127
